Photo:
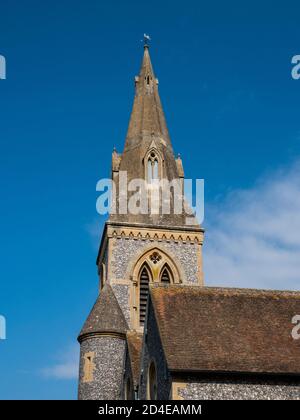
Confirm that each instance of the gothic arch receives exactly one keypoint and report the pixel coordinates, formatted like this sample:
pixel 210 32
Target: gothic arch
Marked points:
pixel 156 259
pixel 153 163
pixel 166 275
pixel 149 268
pixel 142 256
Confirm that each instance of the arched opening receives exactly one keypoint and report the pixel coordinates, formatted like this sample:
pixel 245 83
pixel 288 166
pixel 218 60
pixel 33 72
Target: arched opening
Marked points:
pixel 144 280
pixel 152 382
pixel 166 275
pixel 154 265
pixel 153 171
pixel 150 172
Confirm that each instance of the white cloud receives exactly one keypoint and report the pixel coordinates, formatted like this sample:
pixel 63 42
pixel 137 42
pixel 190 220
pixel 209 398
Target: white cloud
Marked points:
pixel 67 366
pixel 253 237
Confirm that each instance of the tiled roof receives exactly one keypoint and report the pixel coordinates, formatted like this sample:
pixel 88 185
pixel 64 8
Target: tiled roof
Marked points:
pixel 227 330
pixel 106 315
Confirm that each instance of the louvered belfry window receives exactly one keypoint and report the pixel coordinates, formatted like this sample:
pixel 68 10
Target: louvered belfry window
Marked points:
pixel 144 291
pixel 165 277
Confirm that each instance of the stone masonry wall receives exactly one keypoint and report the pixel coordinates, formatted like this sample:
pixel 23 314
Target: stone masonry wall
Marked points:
pixel 126 249
pixel 107 373
pixel 240 390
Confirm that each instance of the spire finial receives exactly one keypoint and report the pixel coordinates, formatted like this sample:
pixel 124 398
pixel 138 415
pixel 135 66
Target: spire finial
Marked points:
pixel 146 40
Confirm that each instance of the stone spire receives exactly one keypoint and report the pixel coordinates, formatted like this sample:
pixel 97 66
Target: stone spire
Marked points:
pixel 147 118
pixel 147 138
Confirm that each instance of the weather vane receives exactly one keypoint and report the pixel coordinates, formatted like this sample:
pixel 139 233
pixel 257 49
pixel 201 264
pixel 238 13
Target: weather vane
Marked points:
pixel 146 40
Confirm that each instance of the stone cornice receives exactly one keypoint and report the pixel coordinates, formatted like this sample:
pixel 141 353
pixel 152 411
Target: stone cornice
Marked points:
pixel 156 227
pixel 112 334
pixel 155 234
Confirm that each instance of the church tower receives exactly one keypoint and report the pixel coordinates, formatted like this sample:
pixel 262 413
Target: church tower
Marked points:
pixel 138 248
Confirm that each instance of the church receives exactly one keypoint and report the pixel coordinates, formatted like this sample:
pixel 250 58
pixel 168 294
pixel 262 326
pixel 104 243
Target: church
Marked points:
pixel 156 332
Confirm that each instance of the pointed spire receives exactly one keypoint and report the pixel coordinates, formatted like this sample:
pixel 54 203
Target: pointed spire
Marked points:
pixel 106 317
pixel 147 118
pixel 148 134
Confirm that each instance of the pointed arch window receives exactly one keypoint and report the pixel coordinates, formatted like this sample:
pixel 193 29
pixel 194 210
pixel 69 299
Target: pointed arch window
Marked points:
pixel 154 266
pixel 144 280
pixel 166 275
pixel 153 167
pixel 152 382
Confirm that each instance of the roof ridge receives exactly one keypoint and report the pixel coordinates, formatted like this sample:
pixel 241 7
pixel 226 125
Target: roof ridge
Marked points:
pixel 234 290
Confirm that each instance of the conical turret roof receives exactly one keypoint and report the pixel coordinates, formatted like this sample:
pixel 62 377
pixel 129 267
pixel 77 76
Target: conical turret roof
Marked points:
pixel 105 317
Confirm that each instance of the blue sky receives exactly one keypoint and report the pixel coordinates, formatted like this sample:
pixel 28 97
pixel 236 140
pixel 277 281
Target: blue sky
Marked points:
pixel 233 114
